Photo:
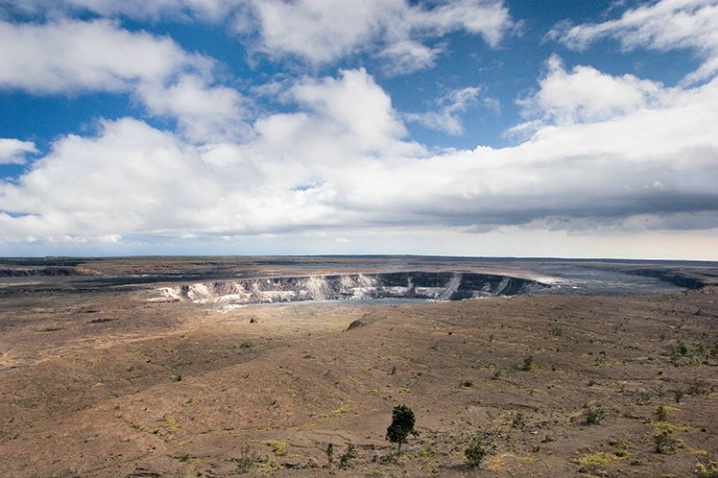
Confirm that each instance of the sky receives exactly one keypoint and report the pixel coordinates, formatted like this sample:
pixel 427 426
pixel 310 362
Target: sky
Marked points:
pixel 523 128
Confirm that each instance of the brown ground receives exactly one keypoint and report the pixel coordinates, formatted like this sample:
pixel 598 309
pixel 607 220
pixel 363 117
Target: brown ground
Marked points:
pixel 103 383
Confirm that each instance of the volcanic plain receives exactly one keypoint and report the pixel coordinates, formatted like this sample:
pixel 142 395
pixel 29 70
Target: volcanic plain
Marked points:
pixel 235 366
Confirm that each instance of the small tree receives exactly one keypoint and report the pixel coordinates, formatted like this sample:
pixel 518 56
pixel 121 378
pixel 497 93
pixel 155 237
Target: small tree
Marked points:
pixel 402 424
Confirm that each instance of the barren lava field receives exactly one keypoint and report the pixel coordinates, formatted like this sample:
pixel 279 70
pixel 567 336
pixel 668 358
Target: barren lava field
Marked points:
pixel 101 377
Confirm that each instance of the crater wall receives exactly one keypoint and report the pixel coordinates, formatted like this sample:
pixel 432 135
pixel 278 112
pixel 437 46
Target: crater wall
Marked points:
pixel 405 285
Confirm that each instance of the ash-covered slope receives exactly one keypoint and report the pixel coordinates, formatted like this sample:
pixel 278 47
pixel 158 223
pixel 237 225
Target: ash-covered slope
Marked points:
pixel 406 285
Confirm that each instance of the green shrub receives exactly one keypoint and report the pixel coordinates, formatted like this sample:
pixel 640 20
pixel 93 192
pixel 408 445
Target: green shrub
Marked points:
pixel 666 443
pixel 348 455
pixel 247 459
pixel 663 412
pixel 518 421
pixel 330 454
pixel 594 414
pixel 479 448
pixel 528 364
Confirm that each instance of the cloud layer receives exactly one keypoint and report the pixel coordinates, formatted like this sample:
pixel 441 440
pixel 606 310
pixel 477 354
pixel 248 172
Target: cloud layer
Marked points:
pixel 324 31
pixel 600 154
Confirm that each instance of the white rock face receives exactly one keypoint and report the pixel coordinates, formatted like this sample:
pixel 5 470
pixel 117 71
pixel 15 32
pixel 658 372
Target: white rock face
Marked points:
pixel 410 285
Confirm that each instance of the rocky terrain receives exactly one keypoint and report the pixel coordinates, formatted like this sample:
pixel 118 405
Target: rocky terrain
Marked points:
pixel 396 285
pixel 137 368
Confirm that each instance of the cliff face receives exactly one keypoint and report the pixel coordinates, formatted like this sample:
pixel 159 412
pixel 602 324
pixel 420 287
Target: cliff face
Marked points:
pixel 409 285
pixel 38 271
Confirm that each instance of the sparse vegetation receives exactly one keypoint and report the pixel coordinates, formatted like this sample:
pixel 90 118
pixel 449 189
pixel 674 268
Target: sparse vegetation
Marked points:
pixel 663 412
pixel 693 353
pixel 247 459
pixel 528 364
pixel 601 359
pixel 348 455
pixel 698 387
pixel 335 413
pixel 666 443
pixel 330 454
pixel 594 414
pixel 621 448
pixel 594 463
pixel 678 395
pixel 518 421
pixel 279 447
pixel 480 446
pixel 287 408
pixel 707 471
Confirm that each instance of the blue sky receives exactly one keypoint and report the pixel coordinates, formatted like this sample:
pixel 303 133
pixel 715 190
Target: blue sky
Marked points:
pixel 560 128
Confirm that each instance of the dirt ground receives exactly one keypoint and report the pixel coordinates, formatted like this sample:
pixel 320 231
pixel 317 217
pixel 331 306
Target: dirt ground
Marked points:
pixel 104 383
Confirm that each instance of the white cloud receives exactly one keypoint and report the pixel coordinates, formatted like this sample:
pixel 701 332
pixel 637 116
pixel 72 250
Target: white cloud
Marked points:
pixel 209 10
pixel 586 95
pixel 13 151
pixel 205 113
pixel 658 162
pixel 406 57
pixel 70 55
pixel 451 106
pixel 348 171
pixel 322 31
pixel 663 25
pixel 487 18
pixel 125 179
pixel 371 122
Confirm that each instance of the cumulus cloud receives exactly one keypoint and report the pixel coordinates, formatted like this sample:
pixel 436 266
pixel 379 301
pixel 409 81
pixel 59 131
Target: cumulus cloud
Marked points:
pixel 205 113
pixel 72 56
pixel 451 105
pixel 332 168
pixel 586 95
pixel 320 31
pixel 372 122
pixel 663 25
pixel 324 31
pixel 13 151
pixel 128 178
